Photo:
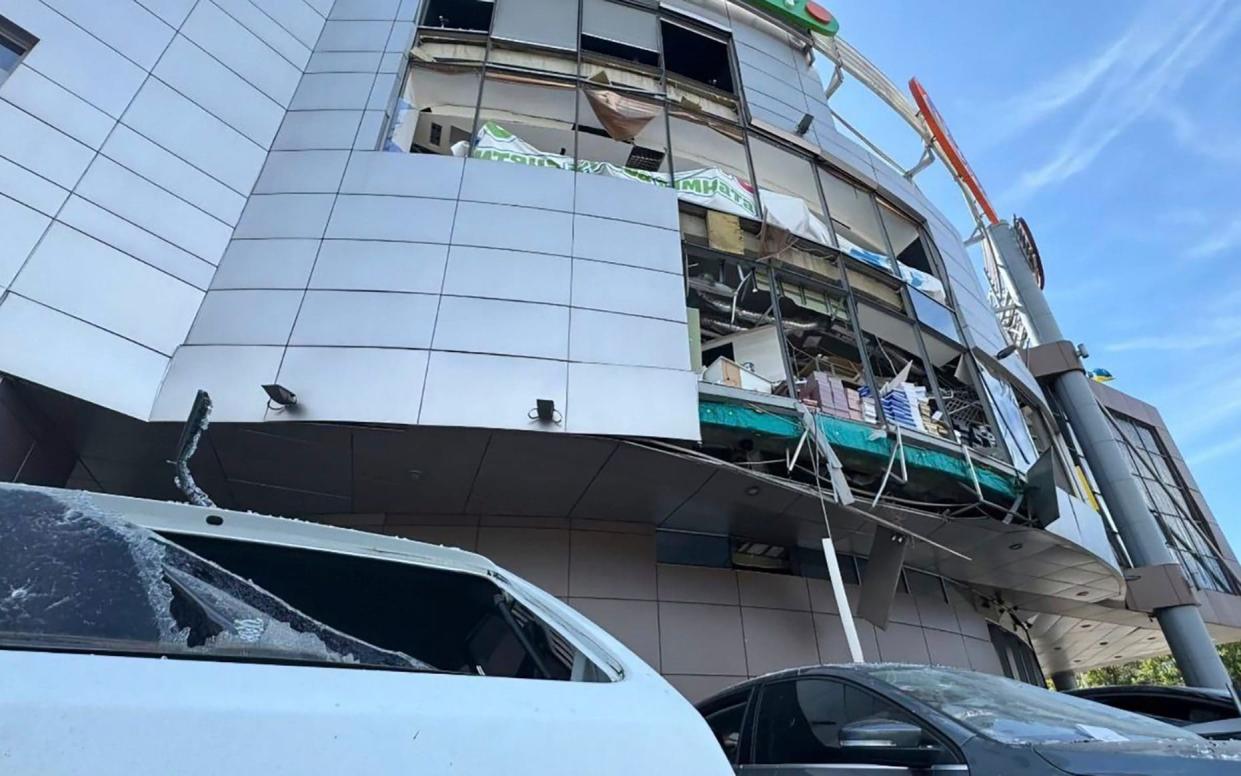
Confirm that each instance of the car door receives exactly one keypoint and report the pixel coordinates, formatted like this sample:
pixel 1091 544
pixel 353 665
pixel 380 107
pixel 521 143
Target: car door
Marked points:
pixel 797 729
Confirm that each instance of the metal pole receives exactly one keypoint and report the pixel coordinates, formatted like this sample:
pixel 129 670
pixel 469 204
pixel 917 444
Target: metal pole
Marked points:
pixel 1192 647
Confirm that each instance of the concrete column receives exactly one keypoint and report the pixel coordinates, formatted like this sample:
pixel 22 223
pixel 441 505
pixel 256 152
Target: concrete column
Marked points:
pixel 1064 680
pixel 1191 644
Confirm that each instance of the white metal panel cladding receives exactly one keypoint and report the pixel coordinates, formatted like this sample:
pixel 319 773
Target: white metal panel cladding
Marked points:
pixel 277 263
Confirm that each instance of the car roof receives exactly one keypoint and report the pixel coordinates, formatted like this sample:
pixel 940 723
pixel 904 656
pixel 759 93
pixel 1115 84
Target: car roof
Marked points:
pixel 178 518
pixel 823 669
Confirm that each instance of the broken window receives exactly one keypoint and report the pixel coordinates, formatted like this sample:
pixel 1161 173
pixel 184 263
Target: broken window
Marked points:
pixel 77 578
pixel 788 191
pixel 712 169
pixel 913 254
pixel 1013 429
pixel 697 56
pixel 435 111
pixel 615 35
pixel 964 411
pixel 823 347
pixel 622 134
pixel 472 15
pixel 731 304
pixel 855 221
pixel 876 286
pixel 903 379
pixel 14 43
pixel 526 119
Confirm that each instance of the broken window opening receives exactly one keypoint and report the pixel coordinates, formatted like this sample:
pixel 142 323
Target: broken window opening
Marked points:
pixel 822 342
pixel 869 284
pixel 789 193
pixel 1013 430
pixel 526 119
pixel 435 111
pixel 620 37
pixel 622 134
pixel 697 56
pixel 904 383
pixel 855 221
pixel 517 57
pixel 472 15
pixel 83 579
pixel 964 411
pixel 732 306
pixel 913 254
pixel 712 167
pixel 615 50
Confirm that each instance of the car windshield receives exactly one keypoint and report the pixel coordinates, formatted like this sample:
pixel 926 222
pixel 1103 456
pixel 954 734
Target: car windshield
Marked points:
pixel 1018 713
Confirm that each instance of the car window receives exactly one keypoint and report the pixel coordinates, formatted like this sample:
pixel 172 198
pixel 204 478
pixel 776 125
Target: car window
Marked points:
pixel 92 580
pixel 799 722
pixel 1175 710
pixel 725 718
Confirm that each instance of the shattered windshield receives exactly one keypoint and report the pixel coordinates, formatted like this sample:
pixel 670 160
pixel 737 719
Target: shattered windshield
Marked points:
pixel 74 577
pixel 1018 713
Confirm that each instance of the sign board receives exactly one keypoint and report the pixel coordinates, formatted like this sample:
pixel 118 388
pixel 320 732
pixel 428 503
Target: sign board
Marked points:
pixel 948 146
pixel 802 14
pixel 710 187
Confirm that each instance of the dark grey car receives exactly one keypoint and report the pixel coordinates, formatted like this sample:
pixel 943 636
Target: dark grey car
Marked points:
pixel 892 720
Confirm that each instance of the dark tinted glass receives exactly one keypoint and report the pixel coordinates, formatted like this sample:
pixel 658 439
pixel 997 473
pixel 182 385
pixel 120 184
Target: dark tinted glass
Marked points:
pixel 725 725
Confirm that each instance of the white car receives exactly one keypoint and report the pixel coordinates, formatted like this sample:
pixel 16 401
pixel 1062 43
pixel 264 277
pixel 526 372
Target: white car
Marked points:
pixel 142 637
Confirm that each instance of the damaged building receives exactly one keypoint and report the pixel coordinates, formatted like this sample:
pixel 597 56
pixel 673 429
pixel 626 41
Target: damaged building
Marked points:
pixel 603 290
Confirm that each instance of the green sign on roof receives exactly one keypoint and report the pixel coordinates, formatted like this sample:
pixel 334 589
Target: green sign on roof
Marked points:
pixel 803 14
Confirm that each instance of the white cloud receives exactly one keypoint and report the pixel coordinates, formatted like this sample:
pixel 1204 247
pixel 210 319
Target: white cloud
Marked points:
pixel 1132 76
pixel 1207 332
pixel 1223 239
pixel 1207 142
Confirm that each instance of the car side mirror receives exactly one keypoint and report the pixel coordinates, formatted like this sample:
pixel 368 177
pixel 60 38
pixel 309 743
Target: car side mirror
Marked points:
pixel 880 734
pixel 889 742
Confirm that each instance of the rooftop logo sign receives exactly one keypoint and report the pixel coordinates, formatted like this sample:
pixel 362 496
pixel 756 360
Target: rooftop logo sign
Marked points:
pixel 803 14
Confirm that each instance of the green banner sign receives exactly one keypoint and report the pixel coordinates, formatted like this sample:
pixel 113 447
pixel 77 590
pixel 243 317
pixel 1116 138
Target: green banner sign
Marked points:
pixel 803 14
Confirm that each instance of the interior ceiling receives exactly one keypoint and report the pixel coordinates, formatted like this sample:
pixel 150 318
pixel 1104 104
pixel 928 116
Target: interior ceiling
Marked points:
pixel 311 469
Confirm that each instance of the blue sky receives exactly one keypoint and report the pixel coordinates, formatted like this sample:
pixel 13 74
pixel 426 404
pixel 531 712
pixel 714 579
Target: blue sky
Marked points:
pixel 1115 130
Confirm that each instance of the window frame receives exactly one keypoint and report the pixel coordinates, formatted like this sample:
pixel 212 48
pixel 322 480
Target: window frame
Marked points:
pixel 426 12
pixel 12 33
pixel 722 703
pixel 667 16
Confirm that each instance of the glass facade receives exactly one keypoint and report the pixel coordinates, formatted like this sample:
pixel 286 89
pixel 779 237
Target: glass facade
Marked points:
pixel 1168 498
pixel 656 101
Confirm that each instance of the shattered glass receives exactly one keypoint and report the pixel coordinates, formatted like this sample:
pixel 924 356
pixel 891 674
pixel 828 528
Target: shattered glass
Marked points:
pixel 73 576
pixel 1016 713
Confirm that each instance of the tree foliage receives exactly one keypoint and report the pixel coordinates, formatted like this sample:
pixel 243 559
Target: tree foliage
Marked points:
pixel 1155 670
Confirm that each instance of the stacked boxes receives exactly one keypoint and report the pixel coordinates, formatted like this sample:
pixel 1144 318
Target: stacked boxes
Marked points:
pixel 831 395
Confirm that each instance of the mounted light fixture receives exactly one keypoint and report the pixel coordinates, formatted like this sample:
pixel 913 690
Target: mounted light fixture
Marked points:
pixel 1005 352
pixel 803 126
pixel 545 411
pixel 279 395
